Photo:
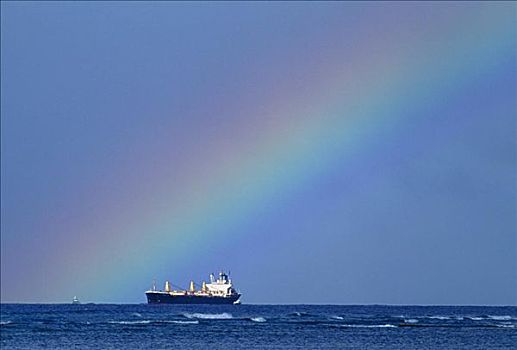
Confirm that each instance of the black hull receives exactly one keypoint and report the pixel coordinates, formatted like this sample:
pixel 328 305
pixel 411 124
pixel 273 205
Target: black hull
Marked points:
pixel 164 298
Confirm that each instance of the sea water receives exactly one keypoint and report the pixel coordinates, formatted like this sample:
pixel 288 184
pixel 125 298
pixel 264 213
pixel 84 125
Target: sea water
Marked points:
pixel 86 326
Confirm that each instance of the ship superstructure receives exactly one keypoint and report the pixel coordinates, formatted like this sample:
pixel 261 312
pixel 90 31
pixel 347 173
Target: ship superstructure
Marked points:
pixel 218 291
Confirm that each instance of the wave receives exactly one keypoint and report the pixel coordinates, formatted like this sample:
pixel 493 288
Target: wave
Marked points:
pixel 439 317
pixel 140 322
pixel 3 323
pixel 223 316
pixel 459 317
pixel 179 322
pixel 136 314
pixel 299 314
pixel 258 319
pixel 337 317
pixel 369 325
pixel 500 318
pixel 131 322
pixel 473 318
pixel 501 325
pixel 411 320
pixel 505 325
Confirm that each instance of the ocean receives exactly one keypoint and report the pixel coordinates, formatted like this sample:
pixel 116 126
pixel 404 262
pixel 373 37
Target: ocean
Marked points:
pixel 142 326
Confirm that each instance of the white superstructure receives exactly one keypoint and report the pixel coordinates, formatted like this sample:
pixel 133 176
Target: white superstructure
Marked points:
pixel 221 288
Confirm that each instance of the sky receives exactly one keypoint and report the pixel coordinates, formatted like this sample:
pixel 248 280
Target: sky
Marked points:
pixel 336 153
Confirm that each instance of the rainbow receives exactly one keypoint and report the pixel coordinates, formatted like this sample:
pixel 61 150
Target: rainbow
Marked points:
pixel 388 80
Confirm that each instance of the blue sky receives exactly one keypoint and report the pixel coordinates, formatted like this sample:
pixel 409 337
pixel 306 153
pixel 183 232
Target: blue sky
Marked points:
pixel 322 152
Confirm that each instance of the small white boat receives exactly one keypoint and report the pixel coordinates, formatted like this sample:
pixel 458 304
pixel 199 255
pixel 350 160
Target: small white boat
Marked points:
pixel 75 300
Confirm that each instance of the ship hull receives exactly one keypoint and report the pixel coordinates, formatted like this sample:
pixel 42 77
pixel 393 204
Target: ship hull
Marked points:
pixel 165 298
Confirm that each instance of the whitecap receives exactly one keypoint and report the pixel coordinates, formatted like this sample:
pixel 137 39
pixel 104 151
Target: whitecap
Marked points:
pixel 439 317
pixel 505 325
pixel 337 317
pixel 500 318
pixel 131 322
pixel 136 314
pixel 411 320
pixel 180 322
pixel 258 319
pixel 3 323
pixel 297 313
pixel 475 318
pixel 223 316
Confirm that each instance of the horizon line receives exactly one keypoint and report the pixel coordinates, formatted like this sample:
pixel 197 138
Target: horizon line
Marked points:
pixel 267 304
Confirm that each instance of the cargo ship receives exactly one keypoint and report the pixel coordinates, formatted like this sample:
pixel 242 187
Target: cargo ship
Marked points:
pixel 218 291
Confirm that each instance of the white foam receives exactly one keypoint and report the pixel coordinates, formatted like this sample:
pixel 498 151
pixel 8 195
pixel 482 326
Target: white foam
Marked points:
pixel 506 325
pixel 297 313
pixel 136 314
pixel 180 322
pixel 411 320
pixel 500 318
pixel 223 316
pixel 258 319
pixel 154 321
pixel 475 318
pixel 3 323
pixel 131 322
pixel 337 317
pixel 440 317
pixel 368 326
